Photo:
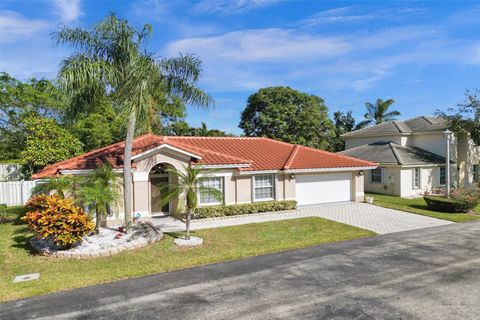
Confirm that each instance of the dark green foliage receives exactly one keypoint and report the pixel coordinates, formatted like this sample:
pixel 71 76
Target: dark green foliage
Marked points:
pixel 244 208
pixel 288 115
pixel 344 122
pixel 442 204
pixel 466 117
pixel 22 100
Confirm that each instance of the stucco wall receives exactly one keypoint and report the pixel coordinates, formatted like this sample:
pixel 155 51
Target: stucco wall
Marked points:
pixel 391 184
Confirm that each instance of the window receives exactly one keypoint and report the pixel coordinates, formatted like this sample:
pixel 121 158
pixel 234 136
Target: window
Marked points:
pixel 443 176
pixel 264 187
pixel 377 175
pixel 416 178
pixel 476 173
pixel 207 197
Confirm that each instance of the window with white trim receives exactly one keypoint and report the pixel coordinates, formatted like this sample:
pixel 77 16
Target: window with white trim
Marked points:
pixel 264 187
pixel 476 173
pixel 443 176
pixel 416 178
pixel 207 197
pixel 376 175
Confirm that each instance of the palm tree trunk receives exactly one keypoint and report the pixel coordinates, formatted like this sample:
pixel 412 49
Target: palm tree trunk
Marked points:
pixel 187 224
pixel 97 223
pixel 127 168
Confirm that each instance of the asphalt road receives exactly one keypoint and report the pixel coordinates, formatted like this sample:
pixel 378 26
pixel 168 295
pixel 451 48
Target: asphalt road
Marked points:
pixel 423 274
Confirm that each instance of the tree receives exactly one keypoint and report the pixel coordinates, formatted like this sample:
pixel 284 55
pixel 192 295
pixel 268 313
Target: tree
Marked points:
pixel 47 143
pixel 62 185
pixel 377 113
pixel 100 191
pixel 466 117
pixel 188 183
pixel 286 114
pixel 111 58
pixel 22 100
pixel 344 122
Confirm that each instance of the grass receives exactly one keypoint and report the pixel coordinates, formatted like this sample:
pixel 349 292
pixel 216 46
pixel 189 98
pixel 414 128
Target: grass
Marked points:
pixel 419 206
pixel 219 245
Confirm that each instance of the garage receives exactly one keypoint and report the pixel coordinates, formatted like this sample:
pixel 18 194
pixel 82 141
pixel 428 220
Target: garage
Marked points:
pixel 323 188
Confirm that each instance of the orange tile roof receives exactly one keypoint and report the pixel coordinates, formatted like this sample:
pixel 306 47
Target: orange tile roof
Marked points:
pixel 258 153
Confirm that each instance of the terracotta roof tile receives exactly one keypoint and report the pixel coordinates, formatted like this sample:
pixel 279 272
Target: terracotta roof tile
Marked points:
pixel 260 153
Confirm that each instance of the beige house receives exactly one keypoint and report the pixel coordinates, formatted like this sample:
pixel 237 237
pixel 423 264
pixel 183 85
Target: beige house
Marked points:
pixel 411 156
pixel 246 170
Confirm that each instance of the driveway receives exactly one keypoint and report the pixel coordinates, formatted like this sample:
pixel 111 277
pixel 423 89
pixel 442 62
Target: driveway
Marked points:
pixel 429 274
pixel 363 215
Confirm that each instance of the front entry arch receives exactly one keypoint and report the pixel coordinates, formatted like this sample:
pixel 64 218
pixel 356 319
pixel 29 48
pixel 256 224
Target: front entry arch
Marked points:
pixel 159 177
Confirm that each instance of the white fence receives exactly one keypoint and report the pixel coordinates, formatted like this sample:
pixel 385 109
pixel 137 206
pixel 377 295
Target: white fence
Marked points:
pixel 15 193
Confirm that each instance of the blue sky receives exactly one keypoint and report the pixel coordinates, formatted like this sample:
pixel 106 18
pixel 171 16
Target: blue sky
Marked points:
pixel 423 54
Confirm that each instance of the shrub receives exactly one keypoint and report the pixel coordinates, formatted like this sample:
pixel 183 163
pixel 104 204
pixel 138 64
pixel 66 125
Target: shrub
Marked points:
pixel 442 204
pixel 58 220
pixel 246 208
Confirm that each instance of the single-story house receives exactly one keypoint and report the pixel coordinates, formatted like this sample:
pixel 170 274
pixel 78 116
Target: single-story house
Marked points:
pixel 246 170
pixel 411 155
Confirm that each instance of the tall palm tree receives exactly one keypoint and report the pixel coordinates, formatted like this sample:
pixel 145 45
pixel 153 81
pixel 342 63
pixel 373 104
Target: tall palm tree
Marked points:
pixel 186 185
pixel 111 59
pixel 377 113
pixel 100 191
pixel 61 186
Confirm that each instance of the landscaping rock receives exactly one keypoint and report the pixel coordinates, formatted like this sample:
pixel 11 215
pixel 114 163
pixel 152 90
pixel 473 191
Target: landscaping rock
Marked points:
pixel 105 243
pixel 193 241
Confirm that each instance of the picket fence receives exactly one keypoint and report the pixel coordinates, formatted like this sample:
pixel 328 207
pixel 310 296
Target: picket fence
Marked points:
pixel 14 193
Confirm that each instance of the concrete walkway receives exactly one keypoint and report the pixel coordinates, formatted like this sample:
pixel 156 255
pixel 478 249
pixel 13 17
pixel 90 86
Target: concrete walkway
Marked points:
pixel 362 215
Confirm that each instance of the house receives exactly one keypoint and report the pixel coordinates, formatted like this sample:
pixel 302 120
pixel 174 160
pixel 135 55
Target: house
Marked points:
pixel 411 156
pixel 245 170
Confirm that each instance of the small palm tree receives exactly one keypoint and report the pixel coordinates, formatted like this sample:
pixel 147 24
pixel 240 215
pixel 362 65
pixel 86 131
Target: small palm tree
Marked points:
pixel 60 185
pixel 186 187
pixel 99 191
pixel 377 113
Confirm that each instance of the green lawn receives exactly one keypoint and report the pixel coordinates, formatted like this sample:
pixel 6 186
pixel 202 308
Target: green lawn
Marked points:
pixel 219 245
pixel 418 206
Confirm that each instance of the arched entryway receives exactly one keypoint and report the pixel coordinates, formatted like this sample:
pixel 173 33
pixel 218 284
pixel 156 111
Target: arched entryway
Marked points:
pixel 158 178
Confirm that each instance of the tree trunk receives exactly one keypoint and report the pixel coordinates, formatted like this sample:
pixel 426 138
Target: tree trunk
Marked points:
pixel 187 224
pixel 127 168
pixel 97 223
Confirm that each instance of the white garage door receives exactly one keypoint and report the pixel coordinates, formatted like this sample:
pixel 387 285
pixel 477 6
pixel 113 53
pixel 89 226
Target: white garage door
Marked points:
pixel 323 188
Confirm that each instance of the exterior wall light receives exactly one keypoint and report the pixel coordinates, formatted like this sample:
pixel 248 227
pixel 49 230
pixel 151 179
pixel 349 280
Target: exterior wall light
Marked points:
pixel 360 173
pixel 292 176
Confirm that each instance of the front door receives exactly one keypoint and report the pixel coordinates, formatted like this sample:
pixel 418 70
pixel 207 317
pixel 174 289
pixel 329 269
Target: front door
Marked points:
pixel 156 199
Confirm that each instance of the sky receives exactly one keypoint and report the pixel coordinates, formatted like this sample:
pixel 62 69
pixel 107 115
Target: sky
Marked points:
pixel 423 54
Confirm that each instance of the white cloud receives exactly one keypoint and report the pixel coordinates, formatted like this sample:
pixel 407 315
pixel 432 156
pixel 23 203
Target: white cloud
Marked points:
pixel 261 45
pixel 14 26
pixel 338 15
pixel 229 7
pixel 68 10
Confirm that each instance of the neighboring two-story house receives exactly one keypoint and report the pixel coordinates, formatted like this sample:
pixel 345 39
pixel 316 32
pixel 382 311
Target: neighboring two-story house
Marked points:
pixel 411 156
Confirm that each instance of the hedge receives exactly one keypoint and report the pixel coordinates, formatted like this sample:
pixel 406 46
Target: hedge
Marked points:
pixel 442 204
pixel 246 208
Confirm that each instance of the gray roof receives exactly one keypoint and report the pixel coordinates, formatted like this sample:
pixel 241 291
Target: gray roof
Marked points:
pixel 392 153
pixel 418 124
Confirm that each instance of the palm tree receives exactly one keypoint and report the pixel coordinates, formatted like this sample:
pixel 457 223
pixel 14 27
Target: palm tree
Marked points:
pixel 377 113
pixel 61 186
pixel 100 191
pixel 111 59
pixel 188 183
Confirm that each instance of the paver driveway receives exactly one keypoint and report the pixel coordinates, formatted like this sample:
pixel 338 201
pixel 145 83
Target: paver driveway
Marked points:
pixel 362 215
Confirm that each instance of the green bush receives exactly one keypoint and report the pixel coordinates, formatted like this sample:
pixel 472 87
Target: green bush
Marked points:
pixel 246 208
pixel 442 204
